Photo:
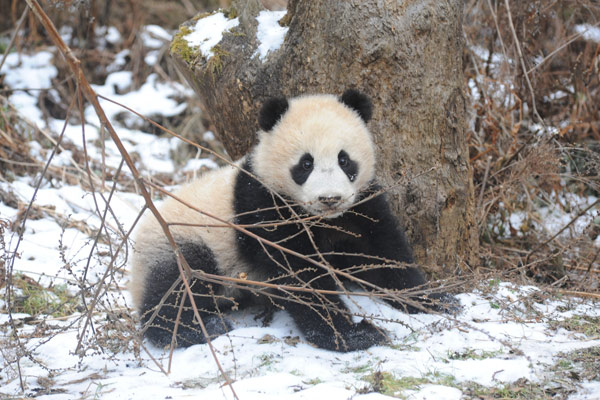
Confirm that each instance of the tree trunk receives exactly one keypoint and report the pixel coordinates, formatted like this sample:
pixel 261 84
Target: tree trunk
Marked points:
pixel 407 56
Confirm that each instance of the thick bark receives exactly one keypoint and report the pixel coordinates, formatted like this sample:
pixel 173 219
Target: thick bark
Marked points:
pixel 407 56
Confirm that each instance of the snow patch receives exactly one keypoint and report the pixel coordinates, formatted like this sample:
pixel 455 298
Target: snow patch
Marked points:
pixel 23 71
pixel 158 31
pixel 484 54
pixel 429 392
pixel 153 98
pixel 589 391
pixel 588 32
pixel 154 36
pixel 30 71
pixel 110 34
pixel 208 31
pixel 269 33
pixel 208 136
pixel 120 61
pixel 559 94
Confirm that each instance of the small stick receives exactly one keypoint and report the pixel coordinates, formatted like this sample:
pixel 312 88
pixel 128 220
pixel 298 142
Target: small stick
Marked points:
pixel 14 36
pixel 522 60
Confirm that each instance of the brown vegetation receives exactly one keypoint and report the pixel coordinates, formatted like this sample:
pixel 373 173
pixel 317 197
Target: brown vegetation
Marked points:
pixel 535 124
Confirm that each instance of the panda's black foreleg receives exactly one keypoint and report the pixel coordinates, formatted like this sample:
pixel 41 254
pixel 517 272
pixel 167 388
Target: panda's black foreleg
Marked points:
pixel 162 300
pixel 402 277
pixel 383 236
pixel 326 322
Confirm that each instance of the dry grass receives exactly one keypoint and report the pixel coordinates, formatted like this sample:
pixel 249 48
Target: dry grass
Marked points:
pixel 535 123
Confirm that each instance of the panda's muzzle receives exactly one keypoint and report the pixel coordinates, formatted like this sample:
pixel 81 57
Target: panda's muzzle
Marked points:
pixel 330 202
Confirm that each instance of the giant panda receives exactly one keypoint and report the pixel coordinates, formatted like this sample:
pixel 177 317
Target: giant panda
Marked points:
pixel 310 215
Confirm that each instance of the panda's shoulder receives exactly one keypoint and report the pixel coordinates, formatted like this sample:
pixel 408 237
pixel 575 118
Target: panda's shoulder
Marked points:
pixel 221 177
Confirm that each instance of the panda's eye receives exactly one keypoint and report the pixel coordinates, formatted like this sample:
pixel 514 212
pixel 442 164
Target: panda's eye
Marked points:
pixel 343 159
pixel 307 164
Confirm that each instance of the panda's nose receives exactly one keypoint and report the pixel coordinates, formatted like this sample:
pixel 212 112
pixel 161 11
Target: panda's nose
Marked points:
pixel 330 201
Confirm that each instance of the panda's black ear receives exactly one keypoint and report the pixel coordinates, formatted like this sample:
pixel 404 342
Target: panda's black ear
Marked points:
pixel 271 112
pixel 359 102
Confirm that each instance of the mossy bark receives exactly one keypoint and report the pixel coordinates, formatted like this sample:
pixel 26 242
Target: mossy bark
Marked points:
pixel 407 56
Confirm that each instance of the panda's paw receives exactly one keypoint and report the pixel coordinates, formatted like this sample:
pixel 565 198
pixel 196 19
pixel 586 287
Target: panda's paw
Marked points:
pixel 434 302
pixel 188 335
pixel 216 325
pixel 348 337
pixel 443 302
pixel 439 302
pixel 361 336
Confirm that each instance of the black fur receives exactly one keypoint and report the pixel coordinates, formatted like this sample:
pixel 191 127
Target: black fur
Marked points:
pixel 271 112
pixel 359 103
pixel 378 237
pixel 159 281
pixel 348 165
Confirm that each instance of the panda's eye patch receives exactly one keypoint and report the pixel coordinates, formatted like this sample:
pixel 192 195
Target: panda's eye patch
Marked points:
pixel 301 171
pixel 349 166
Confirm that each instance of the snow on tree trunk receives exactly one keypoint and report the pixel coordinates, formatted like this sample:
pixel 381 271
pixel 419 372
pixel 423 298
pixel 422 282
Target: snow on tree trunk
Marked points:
pixel 406 55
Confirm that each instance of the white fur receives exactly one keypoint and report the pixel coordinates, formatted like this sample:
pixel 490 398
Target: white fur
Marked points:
pixel 327 180
pixel 212 193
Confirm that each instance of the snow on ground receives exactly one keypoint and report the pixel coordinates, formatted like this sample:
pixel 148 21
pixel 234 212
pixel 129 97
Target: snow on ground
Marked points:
pixel 47 242
pixel 29 71
pixel 153 98
pixel 505 336
pixel 502 91
pixel 485 345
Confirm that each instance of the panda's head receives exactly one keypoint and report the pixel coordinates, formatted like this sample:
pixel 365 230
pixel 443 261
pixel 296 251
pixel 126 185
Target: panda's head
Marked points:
pixel 316 150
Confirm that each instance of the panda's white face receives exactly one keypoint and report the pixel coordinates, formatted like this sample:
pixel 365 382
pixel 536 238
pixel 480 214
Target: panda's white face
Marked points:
pixel 320 154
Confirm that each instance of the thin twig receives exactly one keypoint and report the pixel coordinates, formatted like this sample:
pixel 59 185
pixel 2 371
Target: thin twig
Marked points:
pixel 559 48
pixel 522 61
pixel 484 182
pixel 580 294
pixel 14 36
pixel 562 229
pixel 95 298
pixel 11 263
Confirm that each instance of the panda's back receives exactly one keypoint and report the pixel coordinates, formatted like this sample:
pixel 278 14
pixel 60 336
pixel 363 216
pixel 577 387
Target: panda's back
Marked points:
pixel 204 223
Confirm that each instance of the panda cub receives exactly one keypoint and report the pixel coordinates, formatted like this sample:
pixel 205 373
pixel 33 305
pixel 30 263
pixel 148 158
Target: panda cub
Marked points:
pixel 310 216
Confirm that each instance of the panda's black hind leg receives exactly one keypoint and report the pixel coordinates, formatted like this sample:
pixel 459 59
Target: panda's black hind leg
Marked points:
pixel 406 278
pixel 158 319
pixel 161 334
